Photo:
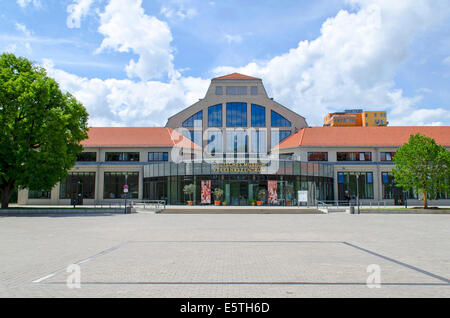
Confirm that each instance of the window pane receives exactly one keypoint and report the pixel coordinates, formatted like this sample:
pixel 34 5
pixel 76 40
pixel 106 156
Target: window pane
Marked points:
pixel 254 90
pixel 259 142
pixel 41 194
pixel 114 182
pixel 236 114
pixel 354 156
pixel 78 181
pixel 214 142
pixel 236 141
pixel 219 90
pixel 258 116
pixel 237 90
pixel 317 156
pixel 195 120
pixel 278 136
pixel 122 156
pixel 87 157
pixel 279 121
pixel 158 156
pixel 215 116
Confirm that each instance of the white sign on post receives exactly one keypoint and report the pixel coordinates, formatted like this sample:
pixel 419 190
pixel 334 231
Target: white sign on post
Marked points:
pixel 303 196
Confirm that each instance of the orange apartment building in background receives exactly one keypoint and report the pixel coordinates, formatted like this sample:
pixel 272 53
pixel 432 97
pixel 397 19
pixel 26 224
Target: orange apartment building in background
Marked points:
pixel 356 118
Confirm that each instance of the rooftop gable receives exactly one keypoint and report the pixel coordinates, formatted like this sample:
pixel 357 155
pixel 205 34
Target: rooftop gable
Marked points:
pixel 236 76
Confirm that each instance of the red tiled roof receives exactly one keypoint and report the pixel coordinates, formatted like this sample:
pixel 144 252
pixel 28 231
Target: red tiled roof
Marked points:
pixel 135 137
pixel 364 136
pixel 236 76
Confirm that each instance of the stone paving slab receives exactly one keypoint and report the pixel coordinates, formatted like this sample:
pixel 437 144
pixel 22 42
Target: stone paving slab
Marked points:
pixel 157 255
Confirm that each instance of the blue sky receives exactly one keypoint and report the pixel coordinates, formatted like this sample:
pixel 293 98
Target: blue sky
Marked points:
pixel 135 63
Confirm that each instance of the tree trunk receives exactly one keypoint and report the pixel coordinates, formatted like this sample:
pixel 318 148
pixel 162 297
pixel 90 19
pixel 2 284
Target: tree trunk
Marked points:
pixel 425 199
pixel 5 196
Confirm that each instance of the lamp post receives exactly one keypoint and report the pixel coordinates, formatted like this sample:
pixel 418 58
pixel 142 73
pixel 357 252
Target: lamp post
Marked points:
pixel 125 190
pixel 357 192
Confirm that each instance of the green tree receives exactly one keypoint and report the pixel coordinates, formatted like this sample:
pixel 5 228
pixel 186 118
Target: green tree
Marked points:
pixel 423 165
pixel 40 128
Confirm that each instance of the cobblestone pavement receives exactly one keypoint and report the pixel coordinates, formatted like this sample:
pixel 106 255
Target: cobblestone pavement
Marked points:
pixel 156 255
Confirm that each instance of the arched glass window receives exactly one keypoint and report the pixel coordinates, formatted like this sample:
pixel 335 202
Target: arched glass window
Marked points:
pixel 259 141
pixel 279 135
pixel 279 121
pixel 215 116
pixel 258 116
pixel 215 142
pixel 237 141
pixel 194 121
pixel 236 115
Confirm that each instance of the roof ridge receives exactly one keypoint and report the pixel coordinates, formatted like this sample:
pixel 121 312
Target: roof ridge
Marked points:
pixel 236 75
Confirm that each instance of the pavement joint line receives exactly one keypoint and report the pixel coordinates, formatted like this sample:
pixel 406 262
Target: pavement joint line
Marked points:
pixel 40 280
pixel 292 242
pixel 447 281
pixel 251 283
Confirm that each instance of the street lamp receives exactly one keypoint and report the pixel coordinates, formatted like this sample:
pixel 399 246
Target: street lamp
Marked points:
pixel 357 192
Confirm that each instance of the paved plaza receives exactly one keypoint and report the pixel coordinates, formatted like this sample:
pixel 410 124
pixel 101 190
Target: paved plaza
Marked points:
pixel 220 255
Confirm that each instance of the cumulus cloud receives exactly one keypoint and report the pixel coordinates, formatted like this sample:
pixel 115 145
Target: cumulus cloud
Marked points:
pixel 352 63
pixel 77 10
pixel 25 3
pixel 126 28
pixel 115 102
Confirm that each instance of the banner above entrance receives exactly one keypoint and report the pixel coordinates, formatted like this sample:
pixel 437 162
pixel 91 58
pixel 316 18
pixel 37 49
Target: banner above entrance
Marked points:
pixel 244 167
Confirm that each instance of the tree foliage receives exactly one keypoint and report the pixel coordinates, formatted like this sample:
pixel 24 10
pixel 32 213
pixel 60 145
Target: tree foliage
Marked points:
pixel 40 128
pixel 423 165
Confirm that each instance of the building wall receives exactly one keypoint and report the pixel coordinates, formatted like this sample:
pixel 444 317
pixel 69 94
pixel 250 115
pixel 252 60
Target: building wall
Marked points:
pixel 376 166
pixel 343 120
pixel 261 99
pixel 99 167
pixel 374 118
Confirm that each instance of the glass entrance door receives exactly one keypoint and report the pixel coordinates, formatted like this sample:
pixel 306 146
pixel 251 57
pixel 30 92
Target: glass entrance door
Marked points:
pixel 238 193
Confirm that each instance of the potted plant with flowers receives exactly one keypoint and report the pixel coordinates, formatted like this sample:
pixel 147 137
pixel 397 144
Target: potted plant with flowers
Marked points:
pixel 218 193
pixel 261 196
pixel 189 190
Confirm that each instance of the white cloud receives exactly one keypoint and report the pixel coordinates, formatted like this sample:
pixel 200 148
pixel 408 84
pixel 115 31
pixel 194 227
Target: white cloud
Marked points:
pixel 25 3
pixel 127 28
pixel 352 63
pixel 233 38
pixel 22 28
pixel 446 61
pixel 20 44
pixel 179 13
pixel 77 10
pixel 115 102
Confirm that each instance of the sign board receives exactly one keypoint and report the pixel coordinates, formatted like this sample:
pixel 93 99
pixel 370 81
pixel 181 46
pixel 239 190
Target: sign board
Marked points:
pixel 125 189
pixel 302 196
pixel 238 168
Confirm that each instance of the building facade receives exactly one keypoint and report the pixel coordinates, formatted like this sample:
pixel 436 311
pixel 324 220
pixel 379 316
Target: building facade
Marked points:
pixel 356 118
pixel 239 140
